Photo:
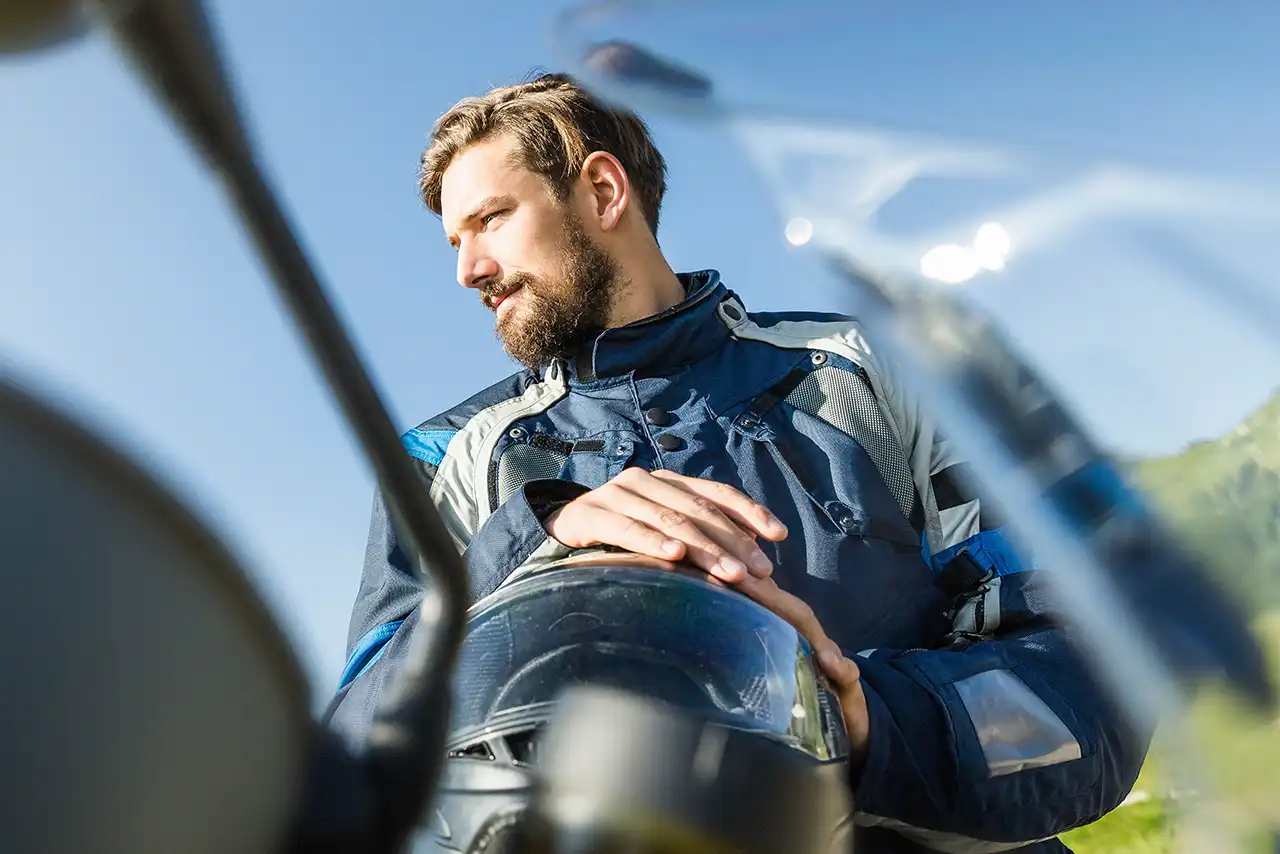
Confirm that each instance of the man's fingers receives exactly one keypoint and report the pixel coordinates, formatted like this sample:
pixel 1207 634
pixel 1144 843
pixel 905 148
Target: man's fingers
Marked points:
pixel 700 548
pixel 708 516
pixel 843 672
pixel 617 516
pixel 709 525
pixel 791 608
pixel 745 512
pixel 846 680
pixel 794 610
pixel 583 524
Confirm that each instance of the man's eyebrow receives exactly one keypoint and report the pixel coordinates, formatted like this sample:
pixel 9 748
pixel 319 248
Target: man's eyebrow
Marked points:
pixel 485 204
pixel 480 209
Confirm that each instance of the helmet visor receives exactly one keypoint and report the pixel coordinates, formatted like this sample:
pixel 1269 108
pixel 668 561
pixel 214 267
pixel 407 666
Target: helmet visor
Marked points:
pixel 667 636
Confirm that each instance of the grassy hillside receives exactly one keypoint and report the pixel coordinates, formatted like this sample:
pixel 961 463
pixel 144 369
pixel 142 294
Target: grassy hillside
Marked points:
pixel 1223 496
pixel 1147 824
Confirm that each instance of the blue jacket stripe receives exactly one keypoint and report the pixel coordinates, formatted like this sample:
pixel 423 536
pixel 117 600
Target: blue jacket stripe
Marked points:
pixel 991 549
pixel 366 652
pixel 428 445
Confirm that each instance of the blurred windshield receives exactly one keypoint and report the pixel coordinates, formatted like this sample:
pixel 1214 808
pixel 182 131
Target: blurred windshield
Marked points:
pixel 1093 194
pixel 1104 184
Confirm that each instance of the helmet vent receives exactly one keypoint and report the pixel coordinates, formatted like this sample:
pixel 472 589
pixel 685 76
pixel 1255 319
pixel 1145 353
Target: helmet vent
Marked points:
pixel 480 750
pixel 524 746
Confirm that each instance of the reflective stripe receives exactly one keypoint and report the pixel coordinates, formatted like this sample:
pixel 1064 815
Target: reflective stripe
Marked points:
pixel 952 843
pixel 959 523
pixel 1017 730
pixel 460 489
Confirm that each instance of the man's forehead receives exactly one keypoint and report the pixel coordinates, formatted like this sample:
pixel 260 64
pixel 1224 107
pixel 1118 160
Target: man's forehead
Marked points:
pixel 480 171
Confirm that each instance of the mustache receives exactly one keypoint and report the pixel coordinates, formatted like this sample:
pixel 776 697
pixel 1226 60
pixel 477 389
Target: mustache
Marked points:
pixel 504 287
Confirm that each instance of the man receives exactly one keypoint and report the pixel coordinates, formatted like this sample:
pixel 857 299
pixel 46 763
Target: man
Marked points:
pixel 774 452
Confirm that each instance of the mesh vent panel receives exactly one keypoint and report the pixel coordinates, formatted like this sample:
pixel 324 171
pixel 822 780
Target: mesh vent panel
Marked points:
pixel 520 464
pixel 845 400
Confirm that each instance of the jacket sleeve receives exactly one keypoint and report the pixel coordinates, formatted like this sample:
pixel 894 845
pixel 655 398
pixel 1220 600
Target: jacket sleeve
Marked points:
pixel 385 616
pixel 1004 737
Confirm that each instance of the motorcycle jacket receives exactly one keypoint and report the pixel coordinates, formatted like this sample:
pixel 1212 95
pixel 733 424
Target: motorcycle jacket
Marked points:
pixel 987 731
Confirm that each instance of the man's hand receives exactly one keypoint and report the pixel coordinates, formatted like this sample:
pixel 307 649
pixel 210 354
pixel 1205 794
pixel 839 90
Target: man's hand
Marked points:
pixel 672 517
pixel 841 672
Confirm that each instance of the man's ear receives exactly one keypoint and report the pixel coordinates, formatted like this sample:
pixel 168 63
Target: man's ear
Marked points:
pixel 608 187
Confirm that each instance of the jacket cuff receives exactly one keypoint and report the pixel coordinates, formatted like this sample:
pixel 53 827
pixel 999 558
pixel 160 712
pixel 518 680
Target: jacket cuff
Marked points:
pixel 547 496
pixel 511 536
pixel 910 763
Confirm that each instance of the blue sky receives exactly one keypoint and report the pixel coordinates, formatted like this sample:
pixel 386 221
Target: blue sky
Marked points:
pixel 128 293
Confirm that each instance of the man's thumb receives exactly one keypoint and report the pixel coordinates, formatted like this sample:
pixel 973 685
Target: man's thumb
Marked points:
pixel 840 670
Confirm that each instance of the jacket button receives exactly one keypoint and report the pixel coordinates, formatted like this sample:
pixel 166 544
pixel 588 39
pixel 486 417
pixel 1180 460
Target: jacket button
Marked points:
pixel 667 442
pixel 844 518
pixel 658 417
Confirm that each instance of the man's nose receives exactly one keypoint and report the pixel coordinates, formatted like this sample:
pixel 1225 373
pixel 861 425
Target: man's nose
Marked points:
pixel 475 270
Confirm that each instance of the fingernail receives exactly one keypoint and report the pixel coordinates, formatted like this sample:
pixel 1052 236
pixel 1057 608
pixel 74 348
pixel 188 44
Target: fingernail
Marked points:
pixel 760 563
pixel 733 566
pixel 671 547
pixel 776 524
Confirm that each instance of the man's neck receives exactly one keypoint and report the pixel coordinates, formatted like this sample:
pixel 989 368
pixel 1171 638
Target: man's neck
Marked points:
pixel 652 288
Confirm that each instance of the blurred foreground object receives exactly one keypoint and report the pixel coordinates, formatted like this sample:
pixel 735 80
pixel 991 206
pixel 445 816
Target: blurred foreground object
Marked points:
pixel 344 802
pixel 27 25
pixel 152 705
pixel 381 794
pixel 870 125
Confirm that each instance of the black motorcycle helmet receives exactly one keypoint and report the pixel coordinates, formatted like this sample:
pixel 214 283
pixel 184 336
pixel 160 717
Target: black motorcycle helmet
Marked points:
pixel 624 621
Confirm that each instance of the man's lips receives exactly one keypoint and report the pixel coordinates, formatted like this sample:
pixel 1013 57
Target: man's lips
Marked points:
pixel 499 299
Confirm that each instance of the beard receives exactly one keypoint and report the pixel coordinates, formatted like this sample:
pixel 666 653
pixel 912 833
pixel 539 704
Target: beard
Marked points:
pixel 559 315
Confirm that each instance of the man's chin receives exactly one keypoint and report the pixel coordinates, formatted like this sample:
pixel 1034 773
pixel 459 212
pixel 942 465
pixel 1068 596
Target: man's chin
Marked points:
pixel 509 332
pixel 517 346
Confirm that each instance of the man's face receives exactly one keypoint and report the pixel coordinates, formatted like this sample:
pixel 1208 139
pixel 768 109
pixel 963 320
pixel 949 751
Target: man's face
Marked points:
pixel 527 254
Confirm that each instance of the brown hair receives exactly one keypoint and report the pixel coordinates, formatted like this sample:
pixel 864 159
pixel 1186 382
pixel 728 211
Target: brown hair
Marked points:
pixel 557 124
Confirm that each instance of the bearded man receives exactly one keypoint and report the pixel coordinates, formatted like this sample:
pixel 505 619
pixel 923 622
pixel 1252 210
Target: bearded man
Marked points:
pixel 774 452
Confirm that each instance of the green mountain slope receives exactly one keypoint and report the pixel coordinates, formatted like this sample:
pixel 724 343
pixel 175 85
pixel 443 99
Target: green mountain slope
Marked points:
pixel 1223 496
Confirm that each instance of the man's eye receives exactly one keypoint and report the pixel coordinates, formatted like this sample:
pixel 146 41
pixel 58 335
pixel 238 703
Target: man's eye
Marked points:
pixel 488 218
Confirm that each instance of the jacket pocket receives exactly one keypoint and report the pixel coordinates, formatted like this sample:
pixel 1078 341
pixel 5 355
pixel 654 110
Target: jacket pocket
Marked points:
pixel 849 517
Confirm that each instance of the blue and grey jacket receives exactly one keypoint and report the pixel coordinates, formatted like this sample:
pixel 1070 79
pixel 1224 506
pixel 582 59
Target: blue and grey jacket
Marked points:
pixel 1001 742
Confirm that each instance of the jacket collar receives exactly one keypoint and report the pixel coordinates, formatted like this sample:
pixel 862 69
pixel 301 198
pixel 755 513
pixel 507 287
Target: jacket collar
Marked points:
pixel 681 335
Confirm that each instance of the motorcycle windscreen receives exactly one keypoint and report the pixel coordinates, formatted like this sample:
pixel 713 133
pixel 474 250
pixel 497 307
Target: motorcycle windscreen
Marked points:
pixel 668 637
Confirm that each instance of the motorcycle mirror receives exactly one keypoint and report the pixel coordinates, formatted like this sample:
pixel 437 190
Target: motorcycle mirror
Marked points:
pixel 172 47
pixel 27 25
pixel 151 703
